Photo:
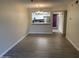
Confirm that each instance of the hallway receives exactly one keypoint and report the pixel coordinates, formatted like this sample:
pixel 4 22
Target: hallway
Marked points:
pixel 43 46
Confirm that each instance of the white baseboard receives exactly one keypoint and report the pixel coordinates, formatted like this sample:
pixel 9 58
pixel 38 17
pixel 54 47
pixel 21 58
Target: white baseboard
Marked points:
pixel 40 32
pixel 12 46
pixel 77 48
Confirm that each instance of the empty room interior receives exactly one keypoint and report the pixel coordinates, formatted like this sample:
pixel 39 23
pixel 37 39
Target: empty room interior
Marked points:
pixel 39 28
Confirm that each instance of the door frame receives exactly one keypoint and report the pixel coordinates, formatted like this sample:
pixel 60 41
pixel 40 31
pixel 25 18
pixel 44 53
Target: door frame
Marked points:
pixel 65 21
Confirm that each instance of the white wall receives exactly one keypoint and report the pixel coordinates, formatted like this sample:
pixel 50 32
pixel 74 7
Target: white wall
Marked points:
pixel 13 24
pixel 40 29
pixel 73 24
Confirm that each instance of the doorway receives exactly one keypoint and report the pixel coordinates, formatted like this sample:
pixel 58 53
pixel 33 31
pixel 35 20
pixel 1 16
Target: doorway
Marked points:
pixel 59 20
pixel 54 19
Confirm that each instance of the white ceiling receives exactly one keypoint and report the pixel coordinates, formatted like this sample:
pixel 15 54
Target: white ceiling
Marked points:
pixel 47 3
pixel 58 1
pixel 52 1
pixel 44 1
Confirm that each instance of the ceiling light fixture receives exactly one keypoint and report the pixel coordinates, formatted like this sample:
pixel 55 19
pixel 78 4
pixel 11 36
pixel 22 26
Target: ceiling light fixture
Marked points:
pixel 76 1
pixel 31 0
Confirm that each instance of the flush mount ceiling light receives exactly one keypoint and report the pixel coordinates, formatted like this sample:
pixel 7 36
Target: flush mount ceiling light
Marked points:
pixel 39 5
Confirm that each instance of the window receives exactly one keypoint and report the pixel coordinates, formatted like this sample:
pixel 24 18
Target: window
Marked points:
pixel 41 17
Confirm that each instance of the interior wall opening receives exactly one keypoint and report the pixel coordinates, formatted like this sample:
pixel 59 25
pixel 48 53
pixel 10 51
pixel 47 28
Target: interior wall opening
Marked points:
pixel 40 17
pixel 41 22
pixel 58 22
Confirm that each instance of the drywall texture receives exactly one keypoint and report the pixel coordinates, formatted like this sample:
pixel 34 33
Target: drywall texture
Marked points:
pixel 73 24
pixel 13 24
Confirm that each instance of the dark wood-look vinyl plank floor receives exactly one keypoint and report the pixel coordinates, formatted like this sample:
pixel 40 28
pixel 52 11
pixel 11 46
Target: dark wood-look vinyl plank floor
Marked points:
pixel 43 46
